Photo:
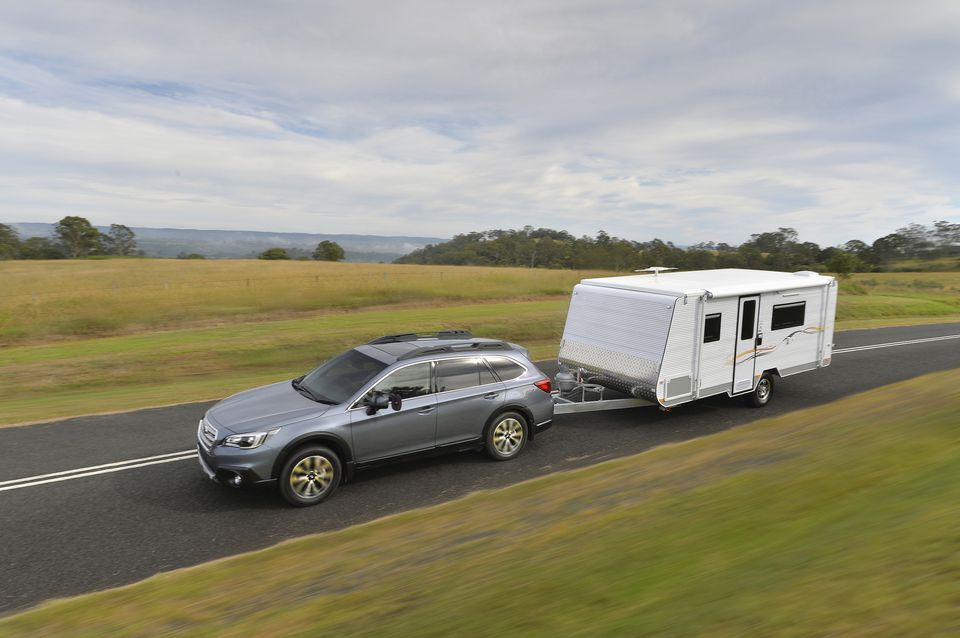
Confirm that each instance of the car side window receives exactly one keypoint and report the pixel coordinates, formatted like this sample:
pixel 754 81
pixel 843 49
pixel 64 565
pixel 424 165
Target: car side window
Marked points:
pixel 409 381
pixel 505 368
pixel 486 375
pixel 457 374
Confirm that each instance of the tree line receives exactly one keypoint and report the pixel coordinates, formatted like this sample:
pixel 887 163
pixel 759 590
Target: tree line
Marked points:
pixel 73 238
pixel 776 250
pixel 76 238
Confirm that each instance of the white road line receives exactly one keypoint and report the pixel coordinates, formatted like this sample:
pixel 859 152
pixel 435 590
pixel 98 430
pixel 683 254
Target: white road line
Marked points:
pixel 895 343
pixel 95 467
pixel 75 474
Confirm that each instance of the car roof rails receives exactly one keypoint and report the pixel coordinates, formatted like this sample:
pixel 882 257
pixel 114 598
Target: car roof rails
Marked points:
pixel 413 336
pixel 455 347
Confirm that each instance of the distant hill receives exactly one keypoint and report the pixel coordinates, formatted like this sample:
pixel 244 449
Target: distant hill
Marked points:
pixel 240 244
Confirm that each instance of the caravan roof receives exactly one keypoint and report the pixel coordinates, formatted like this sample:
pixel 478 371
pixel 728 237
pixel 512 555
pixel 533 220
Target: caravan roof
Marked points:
pixel 724 282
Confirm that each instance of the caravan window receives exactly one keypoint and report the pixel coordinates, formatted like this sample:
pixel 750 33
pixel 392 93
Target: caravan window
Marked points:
pixel 711 328
pixel 748 320
pixel 789 315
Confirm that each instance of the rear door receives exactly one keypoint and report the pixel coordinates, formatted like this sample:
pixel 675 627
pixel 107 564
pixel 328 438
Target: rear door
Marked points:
pixel 745 355
pixel 467 396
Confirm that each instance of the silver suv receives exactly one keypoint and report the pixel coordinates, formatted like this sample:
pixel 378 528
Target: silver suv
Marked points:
pixel 392 398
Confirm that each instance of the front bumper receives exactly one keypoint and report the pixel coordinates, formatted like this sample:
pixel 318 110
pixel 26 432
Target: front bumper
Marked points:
pixel 222 468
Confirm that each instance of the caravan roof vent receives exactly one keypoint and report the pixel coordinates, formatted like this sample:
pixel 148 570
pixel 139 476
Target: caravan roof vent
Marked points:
pixel 806 273
pixel 656 270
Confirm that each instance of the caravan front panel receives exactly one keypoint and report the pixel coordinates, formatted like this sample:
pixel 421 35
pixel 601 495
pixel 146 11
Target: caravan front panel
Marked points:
pixel 618 337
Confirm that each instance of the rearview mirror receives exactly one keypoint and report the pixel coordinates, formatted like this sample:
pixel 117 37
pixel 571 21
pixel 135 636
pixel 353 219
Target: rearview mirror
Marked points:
pixel 377 401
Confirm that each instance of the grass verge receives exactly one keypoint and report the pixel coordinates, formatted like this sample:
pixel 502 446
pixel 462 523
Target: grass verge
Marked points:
pixel 837 520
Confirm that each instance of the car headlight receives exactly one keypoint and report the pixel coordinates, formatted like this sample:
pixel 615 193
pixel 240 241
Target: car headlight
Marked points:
pixel 249 440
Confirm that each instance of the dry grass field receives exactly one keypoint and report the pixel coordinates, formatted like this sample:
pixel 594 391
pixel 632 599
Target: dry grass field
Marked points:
pixel 56 299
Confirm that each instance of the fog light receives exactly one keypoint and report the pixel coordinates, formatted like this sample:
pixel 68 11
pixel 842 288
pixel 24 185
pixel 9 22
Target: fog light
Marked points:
pixel 235 480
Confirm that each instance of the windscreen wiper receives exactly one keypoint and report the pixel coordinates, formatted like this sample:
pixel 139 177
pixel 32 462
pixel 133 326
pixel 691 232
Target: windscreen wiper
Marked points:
pixel 307 392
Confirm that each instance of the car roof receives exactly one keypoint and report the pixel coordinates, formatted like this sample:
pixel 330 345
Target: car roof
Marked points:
pixel 392 352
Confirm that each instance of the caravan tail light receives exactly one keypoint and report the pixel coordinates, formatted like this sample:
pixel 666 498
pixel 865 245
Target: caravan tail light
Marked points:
pixel 544 384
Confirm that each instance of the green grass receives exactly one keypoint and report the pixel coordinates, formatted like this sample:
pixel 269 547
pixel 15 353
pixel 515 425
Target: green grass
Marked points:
pixel 926 265
pixel 875 300
pixel 836 520
pixel 202 337
pixel 125 372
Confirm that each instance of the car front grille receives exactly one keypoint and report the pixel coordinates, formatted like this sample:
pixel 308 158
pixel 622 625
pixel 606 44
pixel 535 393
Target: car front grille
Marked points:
pixel 206 434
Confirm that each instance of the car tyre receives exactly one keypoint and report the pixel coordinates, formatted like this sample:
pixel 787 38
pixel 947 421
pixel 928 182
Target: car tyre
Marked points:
pixel 310 476
pixel 762 394
pixel 506 436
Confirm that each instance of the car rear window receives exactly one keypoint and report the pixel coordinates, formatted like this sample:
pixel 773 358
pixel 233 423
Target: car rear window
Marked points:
pixel 505 368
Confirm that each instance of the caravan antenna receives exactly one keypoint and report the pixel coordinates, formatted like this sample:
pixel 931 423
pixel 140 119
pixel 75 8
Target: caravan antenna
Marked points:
pixel 656 270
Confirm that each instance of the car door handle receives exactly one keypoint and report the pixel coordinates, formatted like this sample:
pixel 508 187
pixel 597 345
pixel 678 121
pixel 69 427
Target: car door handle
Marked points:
pixel 491 395
pixel 426 410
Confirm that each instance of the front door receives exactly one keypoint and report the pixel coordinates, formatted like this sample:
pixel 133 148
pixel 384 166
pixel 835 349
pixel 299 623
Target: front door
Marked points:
pixel 391 432
pixel 745 356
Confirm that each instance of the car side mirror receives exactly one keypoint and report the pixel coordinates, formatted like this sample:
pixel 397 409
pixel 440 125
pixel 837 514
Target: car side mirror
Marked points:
pixel 377 401
pixel 396 401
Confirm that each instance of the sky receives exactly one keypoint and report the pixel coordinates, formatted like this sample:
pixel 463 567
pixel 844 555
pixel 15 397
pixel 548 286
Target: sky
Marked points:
pixel 683 120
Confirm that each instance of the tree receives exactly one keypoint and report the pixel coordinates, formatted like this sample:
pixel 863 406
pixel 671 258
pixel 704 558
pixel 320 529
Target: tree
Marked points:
pixel 9 242
pixel 947 237
pixel 887 248
pixel 120 241
pixel 40 248
pixel 843 264
pixel 773 242
pixel 915 240
pixel 274 253
pixel 77 237
pixel 328 251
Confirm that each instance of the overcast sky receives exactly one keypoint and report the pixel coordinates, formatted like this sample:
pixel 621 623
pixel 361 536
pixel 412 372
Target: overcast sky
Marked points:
pixel 687 121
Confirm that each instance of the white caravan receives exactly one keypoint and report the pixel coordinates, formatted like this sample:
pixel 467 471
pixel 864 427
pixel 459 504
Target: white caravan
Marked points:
pixel 670 338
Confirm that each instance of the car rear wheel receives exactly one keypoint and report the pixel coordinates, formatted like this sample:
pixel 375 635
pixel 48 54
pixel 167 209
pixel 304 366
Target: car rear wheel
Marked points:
pixel 506 436
pixel 310 476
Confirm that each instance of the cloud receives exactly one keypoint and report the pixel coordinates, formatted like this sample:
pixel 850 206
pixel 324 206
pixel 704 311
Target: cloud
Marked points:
pixel 681 120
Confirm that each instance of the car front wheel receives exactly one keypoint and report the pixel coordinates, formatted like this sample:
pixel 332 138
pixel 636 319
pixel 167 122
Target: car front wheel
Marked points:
pixel 310 476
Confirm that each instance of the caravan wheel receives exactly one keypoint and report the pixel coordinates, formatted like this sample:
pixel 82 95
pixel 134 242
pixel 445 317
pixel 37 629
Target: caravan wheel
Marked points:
pixel 762 393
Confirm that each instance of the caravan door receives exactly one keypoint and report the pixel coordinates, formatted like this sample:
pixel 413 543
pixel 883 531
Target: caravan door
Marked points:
pixel 745 355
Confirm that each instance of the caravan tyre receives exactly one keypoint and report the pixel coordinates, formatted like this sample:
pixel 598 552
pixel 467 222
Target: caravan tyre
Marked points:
pixel 762 393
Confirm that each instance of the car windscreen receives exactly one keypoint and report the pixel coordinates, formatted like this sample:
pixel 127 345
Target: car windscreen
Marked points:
pixel 340 378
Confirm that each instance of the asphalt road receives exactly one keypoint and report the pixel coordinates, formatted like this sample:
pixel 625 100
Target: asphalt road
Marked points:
pixel 73 536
